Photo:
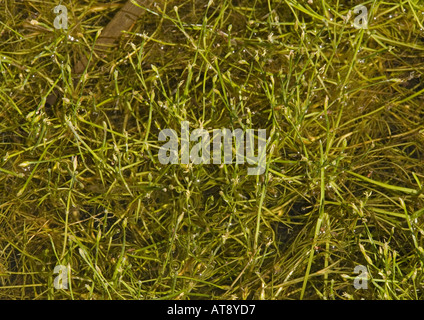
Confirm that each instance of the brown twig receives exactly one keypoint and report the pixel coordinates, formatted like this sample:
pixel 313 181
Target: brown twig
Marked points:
pixel 122 21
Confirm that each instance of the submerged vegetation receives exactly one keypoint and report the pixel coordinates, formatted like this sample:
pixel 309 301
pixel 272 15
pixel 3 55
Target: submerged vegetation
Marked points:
pixel 81 185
